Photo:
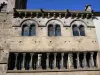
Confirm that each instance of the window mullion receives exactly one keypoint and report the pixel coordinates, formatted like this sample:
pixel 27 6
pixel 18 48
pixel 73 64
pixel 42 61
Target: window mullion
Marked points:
pixel 53 30
pixel 29 30
pixel 79 31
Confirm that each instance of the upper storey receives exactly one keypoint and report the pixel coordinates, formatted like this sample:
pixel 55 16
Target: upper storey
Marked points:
pixel 19 23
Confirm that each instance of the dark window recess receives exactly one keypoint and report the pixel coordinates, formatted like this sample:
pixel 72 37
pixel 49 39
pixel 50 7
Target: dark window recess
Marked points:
pixel 88 60
pixel 65 60
pixel 34 62
pixel 75 60
pixel 75 30
pixel 32 31
pixel 43 61
pixel 82 30
pixel 81 59
pixel 25 30
pixel 19 61
pixel 11 61
pixel 57 30
pixel 51 58
pixel 58 60
pixel 51 30
pixel 95 60
pixel 27 61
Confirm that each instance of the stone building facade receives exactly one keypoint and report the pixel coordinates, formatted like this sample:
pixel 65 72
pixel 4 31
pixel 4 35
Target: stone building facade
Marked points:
pixel 57 42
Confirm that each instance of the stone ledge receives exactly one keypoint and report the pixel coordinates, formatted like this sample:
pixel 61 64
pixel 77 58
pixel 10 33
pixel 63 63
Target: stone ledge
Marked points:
pixel 49 70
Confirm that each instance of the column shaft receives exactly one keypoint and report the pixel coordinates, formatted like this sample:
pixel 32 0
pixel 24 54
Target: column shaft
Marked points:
pixel 70 60
pixel 39 61
pixel 78 61
pixel 62 60
pixel 31 54
pixel 54 65
pixel 16 55
pixel 47 61
pixel 91 60
pixel 85 61
pixel 23 65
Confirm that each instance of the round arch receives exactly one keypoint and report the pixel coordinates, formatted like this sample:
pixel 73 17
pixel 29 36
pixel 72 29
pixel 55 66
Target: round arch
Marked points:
pixel 81 23
pixel 31 21
pixel 58 21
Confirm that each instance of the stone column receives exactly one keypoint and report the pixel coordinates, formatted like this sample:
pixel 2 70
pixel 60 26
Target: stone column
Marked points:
pixel 16 55
pixel 70 61
pixel 39 61
pixel 91 59
pixel 31 54
pixel 62 60
pixel 47 60
pixel 85 61
pixel 54 63
pixel 23 64
pixel 98 60
pixel 78 61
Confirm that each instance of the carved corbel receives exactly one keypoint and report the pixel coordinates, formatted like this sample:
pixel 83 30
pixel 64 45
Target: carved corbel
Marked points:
pixel 43 15
pixel 65 15
pixel 88 16
pixel 82 16
pixel 60 15
pixel 73 15
pixel 92 15
pixel 54 15
pixel 48 15
pixel 37 14
pixel 31 14
pixel 19 13
pixel 22 14
pixel 78 15
pixel 25 14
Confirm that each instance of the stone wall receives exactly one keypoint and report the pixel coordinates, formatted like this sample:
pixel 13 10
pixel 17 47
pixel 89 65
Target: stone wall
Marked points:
pixel 12 41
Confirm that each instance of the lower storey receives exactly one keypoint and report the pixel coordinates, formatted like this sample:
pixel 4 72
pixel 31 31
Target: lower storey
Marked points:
pixel 52 61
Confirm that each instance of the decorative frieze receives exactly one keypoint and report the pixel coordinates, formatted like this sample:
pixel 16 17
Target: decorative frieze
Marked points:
pixel 48 14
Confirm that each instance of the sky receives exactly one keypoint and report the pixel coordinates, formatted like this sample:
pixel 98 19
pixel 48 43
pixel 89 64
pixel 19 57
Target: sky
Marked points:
pixel 63 4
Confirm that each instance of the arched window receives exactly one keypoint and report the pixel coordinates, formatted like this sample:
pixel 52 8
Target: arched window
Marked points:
pixel 82 31
pixel 57 30
pixel 25 30
pixel 50 30
pixel 32 31
pixel 75 30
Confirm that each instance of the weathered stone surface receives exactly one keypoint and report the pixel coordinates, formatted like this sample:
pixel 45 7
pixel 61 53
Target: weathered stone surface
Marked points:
pixel 12 41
